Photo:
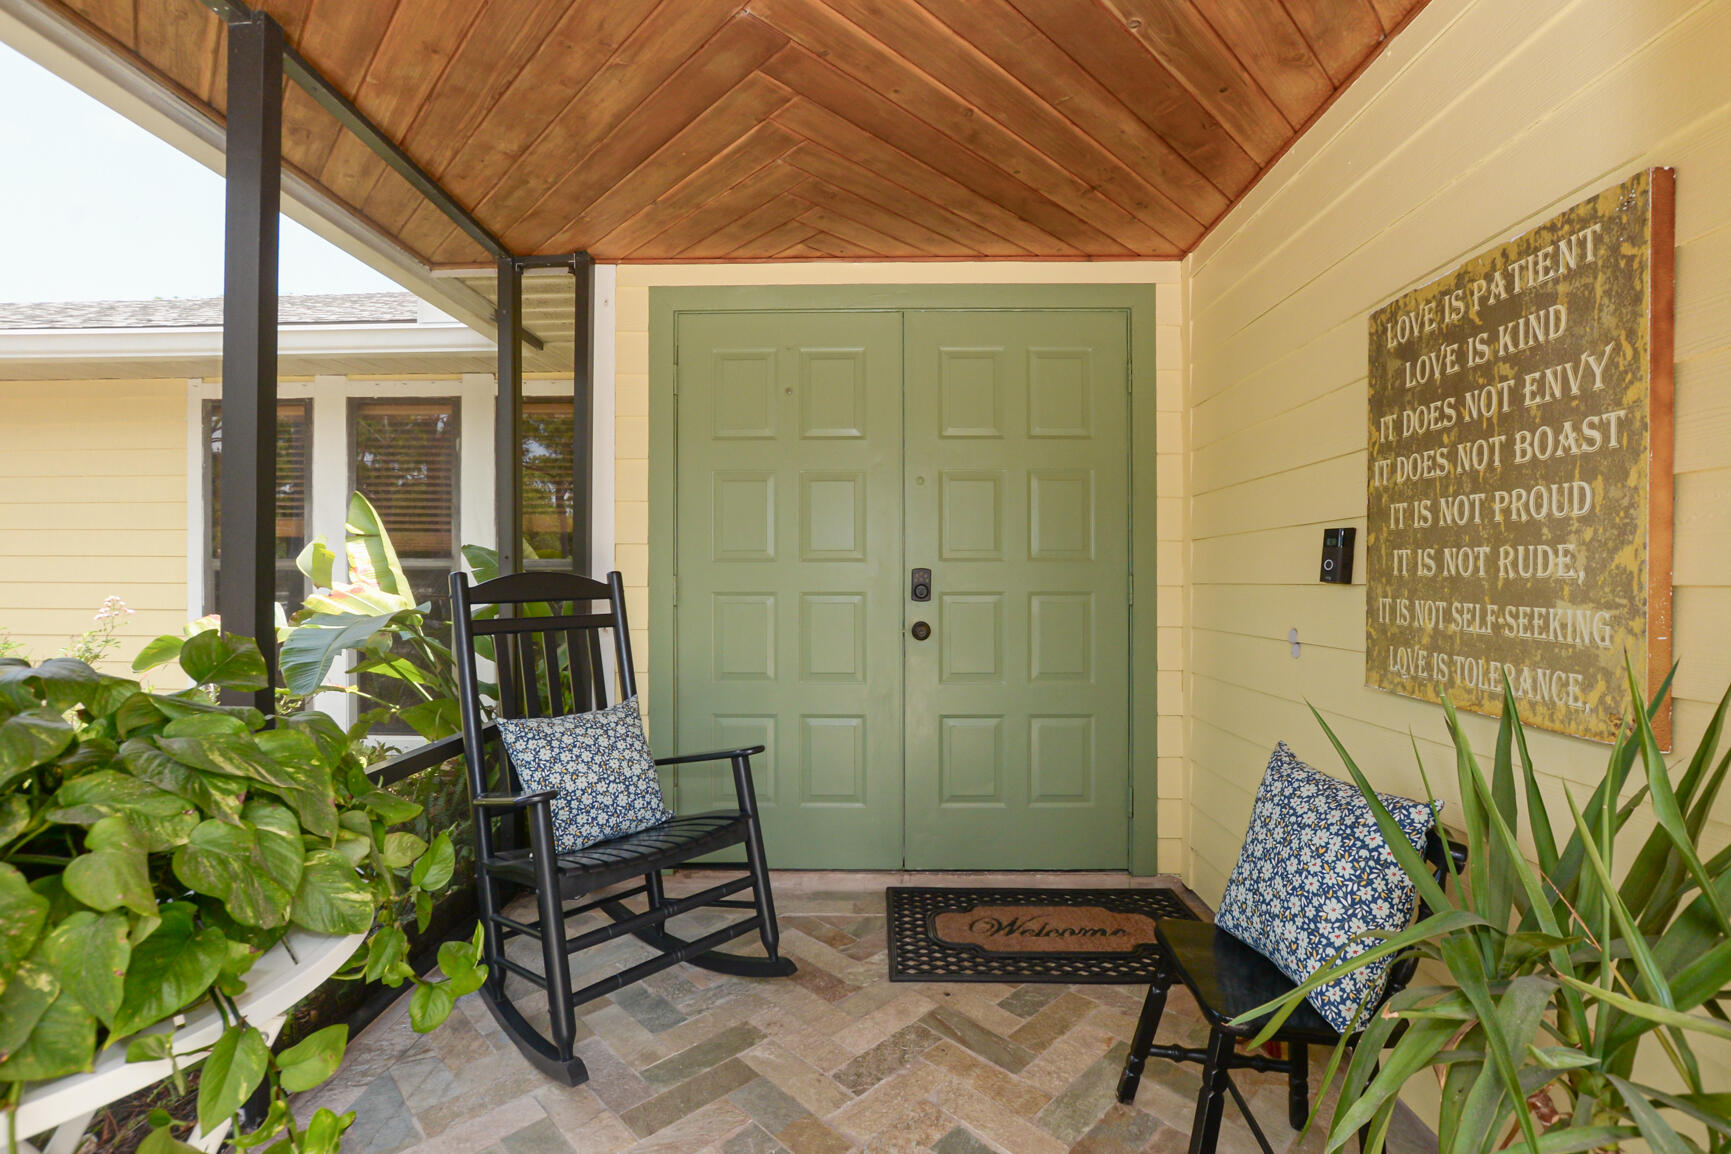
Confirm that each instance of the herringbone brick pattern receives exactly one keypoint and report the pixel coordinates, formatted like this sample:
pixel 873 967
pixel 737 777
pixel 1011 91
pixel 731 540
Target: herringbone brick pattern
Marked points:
pixel 834 1059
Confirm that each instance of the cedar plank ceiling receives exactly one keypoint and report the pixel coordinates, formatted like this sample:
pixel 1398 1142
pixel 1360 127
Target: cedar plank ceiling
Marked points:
pixel 793 129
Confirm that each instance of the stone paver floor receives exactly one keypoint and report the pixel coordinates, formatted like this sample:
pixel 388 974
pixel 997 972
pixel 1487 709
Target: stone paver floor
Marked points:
pixel 837 1058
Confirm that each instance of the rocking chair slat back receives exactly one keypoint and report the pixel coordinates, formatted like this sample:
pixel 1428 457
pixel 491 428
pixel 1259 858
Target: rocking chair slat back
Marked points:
pixel 542 632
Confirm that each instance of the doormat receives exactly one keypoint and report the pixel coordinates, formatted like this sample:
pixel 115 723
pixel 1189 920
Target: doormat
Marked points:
pixel 943 934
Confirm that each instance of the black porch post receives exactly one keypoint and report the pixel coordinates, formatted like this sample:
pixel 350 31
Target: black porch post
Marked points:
pixel 247 596
pixel 508 422
pixel 583 416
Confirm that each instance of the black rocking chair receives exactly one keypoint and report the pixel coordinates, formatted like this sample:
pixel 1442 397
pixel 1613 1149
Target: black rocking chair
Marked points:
pixel 1227 978
pixel 547 650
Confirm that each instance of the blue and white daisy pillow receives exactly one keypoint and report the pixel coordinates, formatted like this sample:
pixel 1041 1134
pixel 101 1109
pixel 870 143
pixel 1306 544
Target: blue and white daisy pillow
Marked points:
pixel 600 765
pixel 1314 871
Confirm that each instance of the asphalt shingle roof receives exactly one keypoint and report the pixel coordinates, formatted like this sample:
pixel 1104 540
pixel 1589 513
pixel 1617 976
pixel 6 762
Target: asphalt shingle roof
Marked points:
pixel 206 312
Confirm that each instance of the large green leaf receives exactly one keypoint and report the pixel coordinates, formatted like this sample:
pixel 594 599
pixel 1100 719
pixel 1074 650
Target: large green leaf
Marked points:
pixel 386 954
pixel 433 871
pixel 232 756
pixel 429 1006
pixel 170 969
pixel 114 872
pixel 137 713
pixel 107 793
pixel 88 954
pixel 319 562
pixel 279 841
pixel 297 751
pixel 225 862
pixel 324 1134
pixel 1518 1011
pixel 158 652
pixel 317 813
pixel 1658 1132
pixel 225 661
pixel 434 719
pixel 332 898
pixel 30 990
pixel 1670 814
pixel 1436 927
pixel 314 646
pixel 1659 1015
pixel 162 1141
pixel 208 727
pixel 1464 961
pixel 391 809
pixel 235 1067
pixel 1658 986
pixel 372 557
pixel 217 795
pixel 483 562
pixel 1657 857
pixel 14 819
pixel 401 849
pixel 313 1059
pixel 29 739
pixel 328 737
pixel 460 963
pixel 1711 1110
pixel 59 682
pixel 22 914
pixel 63 1042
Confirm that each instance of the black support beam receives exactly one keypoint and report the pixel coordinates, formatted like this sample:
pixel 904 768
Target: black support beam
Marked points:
pixel 247 596
pixel 340 106
pixel 583 415
pixel 508 420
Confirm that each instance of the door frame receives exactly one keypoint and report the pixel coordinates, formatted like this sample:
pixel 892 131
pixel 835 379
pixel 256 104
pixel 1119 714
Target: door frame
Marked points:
pixel 1136 300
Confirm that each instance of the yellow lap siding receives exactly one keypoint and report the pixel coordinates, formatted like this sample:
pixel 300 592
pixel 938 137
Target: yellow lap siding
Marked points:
pixel 94 481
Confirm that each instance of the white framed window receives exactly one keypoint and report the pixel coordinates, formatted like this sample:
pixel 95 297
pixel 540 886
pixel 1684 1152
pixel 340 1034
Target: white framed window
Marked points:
pixel 422 452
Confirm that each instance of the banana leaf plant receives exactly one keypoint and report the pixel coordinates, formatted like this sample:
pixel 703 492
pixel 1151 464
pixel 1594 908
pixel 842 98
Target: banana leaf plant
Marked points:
pixel 153 846
pixel 373 612
pixel 1574 1000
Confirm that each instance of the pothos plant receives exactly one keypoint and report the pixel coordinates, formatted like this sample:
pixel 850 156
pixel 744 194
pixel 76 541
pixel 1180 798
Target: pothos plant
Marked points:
pixel 154 845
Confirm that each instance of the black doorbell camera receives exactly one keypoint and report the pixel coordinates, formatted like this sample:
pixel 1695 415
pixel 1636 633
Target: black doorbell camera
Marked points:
pixel 1337 556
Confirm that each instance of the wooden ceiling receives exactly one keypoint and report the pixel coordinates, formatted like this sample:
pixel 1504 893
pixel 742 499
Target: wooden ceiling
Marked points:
pixel 793 129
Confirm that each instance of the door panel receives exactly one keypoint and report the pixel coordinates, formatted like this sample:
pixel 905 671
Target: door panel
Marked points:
pixel 1016 496
pixel 789 553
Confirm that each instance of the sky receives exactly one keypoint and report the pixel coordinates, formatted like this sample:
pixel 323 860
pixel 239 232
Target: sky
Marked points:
pixel 93 207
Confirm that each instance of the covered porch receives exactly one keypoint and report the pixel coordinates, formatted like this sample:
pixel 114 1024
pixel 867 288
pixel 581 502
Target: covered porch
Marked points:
pixel 1242 182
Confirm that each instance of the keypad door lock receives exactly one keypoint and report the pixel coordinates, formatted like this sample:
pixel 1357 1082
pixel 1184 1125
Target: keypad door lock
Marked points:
pixel 921 585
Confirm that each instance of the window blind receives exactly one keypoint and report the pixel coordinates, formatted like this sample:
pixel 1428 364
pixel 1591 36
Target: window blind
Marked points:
pixel 293 498
pixel 406 464
pixel 546 493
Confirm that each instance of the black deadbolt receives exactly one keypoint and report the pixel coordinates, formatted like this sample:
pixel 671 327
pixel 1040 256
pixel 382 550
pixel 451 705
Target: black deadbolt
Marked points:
pixel 921 631
pixel 922 584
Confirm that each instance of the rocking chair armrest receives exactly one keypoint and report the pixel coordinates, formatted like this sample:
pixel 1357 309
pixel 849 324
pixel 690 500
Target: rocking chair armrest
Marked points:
pixel 718 755
pixel 515 800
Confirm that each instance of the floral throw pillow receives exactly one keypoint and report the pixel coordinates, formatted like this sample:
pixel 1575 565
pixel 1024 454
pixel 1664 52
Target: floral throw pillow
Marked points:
pixel 1314 871
pixel 600 765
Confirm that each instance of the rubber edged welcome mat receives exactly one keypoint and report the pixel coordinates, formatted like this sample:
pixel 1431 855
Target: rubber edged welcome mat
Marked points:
pixel 1074 936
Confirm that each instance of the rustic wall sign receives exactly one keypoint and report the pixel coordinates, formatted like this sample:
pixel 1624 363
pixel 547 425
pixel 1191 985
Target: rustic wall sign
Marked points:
pixel 1519 518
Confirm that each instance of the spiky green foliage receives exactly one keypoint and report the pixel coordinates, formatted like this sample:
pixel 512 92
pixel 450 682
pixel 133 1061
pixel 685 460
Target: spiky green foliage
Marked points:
pixel 1561 975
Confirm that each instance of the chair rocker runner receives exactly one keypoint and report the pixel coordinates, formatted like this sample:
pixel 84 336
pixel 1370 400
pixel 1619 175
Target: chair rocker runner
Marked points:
pixel 1227 978
pixel 546 638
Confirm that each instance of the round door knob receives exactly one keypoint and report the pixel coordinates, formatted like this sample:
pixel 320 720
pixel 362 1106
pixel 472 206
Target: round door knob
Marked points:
pixel 921 631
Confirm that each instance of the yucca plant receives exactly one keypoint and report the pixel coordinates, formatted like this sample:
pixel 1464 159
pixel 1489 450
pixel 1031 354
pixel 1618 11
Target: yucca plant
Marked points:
pixel 1561 975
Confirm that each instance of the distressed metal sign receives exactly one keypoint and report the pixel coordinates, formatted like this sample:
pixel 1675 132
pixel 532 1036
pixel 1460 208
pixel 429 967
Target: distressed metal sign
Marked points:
pixel 1519 511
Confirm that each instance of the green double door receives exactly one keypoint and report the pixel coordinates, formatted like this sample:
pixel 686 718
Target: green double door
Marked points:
pixel 823 458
